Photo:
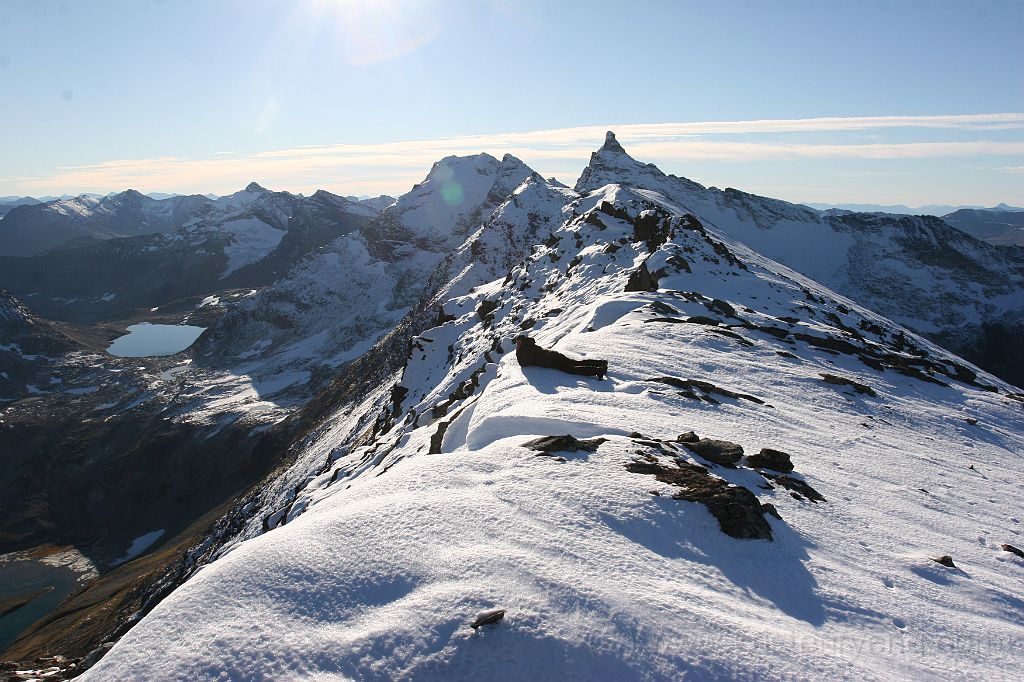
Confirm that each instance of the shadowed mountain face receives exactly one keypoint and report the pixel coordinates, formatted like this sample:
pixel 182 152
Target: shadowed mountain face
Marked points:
pixel 245 240
pixel 992 225
pixel 28 346
pixel 334 303
pixel 30 229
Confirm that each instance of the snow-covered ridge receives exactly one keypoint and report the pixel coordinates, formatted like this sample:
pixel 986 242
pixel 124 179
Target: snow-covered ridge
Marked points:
pixel 411 510
pixel 916 270
pixel 335 303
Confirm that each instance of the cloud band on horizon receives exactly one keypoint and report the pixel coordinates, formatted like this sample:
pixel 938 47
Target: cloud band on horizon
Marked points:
pixel 392 167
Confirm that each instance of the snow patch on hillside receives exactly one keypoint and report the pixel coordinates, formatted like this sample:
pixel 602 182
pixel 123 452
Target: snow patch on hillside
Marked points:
pixel 251 240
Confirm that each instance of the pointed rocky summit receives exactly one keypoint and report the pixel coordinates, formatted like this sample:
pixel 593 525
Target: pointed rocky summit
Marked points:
pixel 611 144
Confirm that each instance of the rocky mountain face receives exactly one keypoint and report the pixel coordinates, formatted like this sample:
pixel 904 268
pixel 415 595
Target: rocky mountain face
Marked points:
pixel 242 241
pixel 916 270
pixel 1002 227
pixel 336 302
pixel 31 229
pixel 7 203
pixel 27 348
pixel 766 461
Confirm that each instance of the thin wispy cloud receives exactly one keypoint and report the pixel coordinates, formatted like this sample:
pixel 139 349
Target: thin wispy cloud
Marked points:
pixel 394 166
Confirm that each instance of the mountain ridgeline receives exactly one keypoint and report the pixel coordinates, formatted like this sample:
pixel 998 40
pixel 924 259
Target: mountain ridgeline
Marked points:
pixel 87 259
pixel 766 459
pixel 355 458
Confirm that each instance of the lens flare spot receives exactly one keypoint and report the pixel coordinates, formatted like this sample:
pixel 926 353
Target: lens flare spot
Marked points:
pixel 452 193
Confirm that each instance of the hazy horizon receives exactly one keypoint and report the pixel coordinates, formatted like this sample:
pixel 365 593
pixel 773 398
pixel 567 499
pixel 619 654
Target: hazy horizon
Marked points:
pixel 902 103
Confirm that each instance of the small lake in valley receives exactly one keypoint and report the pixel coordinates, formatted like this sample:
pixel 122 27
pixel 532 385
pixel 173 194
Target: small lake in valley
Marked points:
pixel 30 589
pixel 148 340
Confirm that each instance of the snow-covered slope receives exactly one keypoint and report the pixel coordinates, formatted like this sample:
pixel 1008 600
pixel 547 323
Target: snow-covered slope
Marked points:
pixel 243 240
pixel 30 229
pixel 642 555
pixel 335 303
pixel 916 270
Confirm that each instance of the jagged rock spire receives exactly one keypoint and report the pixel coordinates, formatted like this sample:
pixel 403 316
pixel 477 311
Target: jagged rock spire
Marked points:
pixel 611 144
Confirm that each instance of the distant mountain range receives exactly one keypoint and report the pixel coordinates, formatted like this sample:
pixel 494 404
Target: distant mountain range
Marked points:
pixel 1000 226
pixel 86 259
pixel 930 209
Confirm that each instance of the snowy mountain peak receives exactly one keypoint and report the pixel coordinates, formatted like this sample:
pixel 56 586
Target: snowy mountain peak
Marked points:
pixel 611 144
pixel 255 187
pixel 449 165
pixel 458 194
pixel 612 165
pixel 133 195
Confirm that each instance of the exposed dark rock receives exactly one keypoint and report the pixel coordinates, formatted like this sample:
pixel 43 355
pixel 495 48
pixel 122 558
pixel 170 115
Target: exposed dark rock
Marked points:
pixel 437 438
pixel 721 307
pixel 690 388
pixel 442 317
pixel 777 332
pixel 768 458
pixel 732 335
pixel 552 456
pixel 652 228
pixel 688 437
pixel 769 508
pixel 1013 550
pixel 870 327
pixel 487 618
pixel 720 452
pixel 398 394
pixel 844 381
pixel 486 310
pixel 738 511
pixel 945 560
pixel 828 343
pixel 614 211
pixel 701 319
pixel 566 443
pixel 971 420
pixel 798 488
pixel 642 280
pixel 592 219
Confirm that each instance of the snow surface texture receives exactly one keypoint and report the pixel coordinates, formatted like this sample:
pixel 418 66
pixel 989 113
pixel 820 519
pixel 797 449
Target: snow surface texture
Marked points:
pixel 419 508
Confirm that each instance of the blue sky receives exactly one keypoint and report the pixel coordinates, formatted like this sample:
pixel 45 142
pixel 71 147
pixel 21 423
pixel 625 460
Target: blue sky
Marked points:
pixel 885 102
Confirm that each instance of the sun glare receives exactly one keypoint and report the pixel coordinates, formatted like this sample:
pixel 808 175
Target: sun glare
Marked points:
pixel 372 31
